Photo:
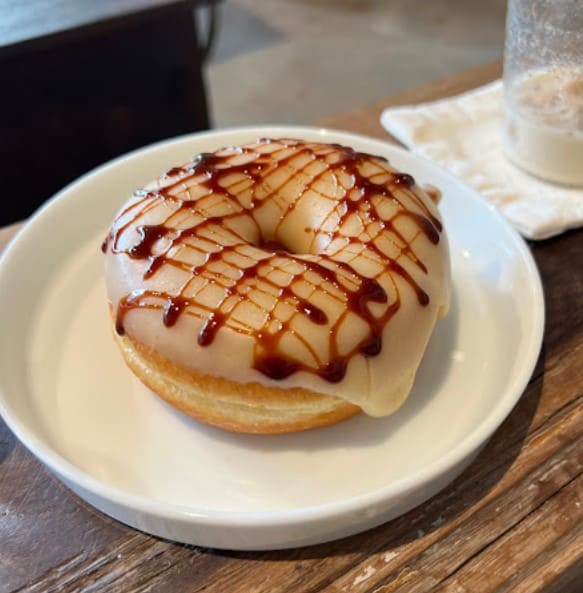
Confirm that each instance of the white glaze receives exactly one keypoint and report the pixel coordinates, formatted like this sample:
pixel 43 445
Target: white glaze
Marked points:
pixel 377 384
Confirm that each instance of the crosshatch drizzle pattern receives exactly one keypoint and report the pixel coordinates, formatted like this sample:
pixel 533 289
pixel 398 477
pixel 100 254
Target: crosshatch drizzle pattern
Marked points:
pixel 276 237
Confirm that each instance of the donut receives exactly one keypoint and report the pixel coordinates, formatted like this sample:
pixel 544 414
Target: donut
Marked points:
pixel 279 285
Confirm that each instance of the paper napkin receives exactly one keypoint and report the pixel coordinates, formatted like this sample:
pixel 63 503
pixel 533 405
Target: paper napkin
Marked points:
pixel 464 134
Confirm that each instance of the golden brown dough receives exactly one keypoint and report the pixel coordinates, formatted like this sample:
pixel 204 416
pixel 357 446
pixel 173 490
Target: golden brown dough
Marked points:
pixel 250 408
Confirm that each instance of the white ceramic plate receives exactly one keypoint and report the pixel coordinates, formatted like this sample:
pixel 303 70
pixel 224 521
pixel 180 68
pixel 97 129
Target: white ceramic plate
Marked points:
pixel 67 395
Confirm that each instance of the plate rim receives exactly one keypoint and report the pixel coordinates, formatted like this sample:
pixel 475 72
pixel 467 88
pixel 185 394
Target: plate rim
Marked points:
pixel 70 473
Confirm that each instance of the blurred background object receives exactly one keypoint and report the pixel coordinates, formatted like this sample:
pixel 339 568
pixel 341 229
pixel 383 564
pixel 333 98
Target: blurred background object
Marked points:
pixel 86 81
pixel 297 61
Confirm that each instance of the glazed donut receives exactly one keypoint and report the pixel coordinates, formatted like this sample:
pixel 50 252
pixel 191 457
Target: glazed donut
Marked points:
pixel 278 286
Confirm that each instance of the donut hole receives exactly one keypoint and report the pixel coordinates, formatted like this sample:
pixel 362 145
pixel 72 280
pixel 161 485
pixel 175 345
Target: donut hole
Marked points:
pixel 298 229
pixel 295 238
pixel 272 245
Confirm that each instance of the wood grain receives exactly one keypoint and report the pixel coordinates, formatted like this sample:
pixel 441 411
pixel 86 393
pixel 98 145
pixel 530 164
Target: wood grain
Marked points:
pixel 512 522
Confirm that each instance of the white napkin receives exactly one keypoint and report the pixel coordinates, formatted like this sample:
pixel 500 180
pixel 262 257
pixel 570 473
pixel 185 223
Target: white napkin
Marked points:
pixel 463 134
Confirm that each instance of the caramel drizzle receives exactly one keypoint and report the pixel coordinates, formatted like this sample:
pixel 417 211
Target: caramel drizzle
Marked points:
pixel 339 281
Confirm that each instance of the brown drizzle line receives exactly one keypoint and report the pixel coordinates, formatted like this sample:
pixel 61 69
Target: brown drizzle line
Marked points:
pixel 210 169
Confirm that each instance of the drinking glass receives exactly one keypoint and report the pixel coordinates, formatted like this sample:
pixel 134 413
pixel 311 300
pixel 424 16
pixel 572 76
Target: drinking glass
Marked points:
pixel 543 88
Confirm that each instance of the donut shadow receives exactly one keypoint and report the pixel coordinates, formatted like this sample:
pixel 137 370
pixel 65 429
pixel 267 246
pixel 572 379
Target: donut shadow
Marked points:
pixel 360 430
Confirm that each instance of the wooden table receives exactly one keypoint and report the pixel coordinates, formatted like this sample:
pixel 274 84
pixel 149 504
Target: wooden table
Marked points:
pixel 512 522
